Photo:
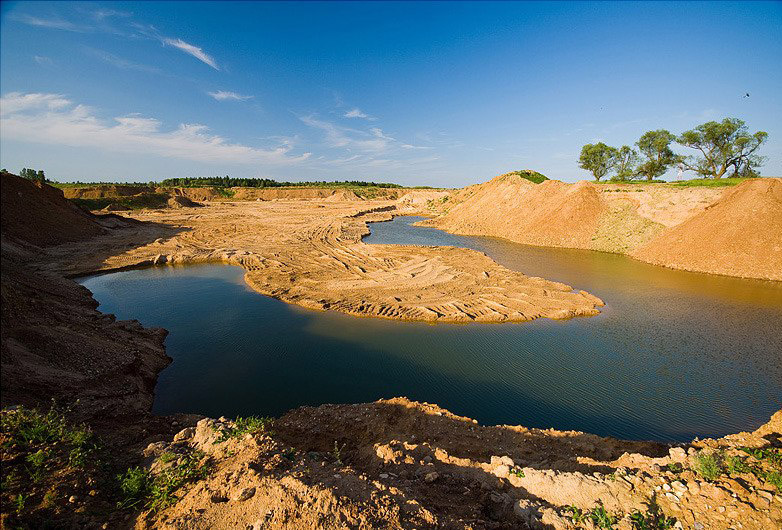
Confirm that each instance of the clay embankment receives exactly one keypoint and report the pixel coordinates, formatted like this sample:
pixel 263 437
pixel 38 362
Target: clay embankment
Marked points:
pixel 661 224
pixel 54 341
pixel 310 253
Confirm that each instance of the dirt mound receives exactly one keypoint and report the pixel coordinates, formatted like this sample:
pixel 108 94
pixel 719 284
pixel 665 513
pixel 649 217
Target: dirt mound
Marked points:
pixel 39 214
pixel 401 464
pixel 739 235
pixel 105 190
pixel 180 201
pixel 550 214
pixel 343 195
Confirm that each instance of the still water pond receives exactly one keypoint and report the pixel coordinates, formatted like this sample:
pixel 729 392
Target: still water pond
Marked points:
pixel 673 354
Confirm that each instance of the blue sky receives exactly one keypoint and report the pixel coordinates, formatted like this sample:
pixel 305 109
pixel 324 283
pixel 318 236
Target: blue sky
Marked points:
pixel 442 94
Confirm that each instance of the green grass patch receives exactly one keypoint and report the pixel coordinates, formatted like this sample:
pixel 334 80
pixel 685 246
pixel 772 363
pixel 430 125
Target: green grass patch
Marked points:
pixel 708 183
pixel 529 174
pixel 708 465
pixel 157 491
pixel 245 425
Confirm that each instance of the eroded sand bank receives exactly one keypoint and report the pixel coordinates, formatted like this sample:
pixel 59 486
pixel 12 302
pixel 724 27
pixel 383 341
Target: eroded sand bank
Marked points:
pixel 310 253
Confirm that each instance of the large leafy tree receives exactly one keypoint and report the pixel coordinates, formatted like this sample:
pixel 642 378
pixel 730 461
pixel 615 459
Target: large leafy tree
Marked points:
pixel 626 162
pixel 723 146
pixel 656 147
pixel 599 159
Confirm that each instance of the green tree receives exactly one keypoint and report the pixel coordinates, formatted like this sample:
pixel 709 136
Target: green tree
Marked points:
pixel 656 147
pixel 598 159
pixel 723 146
pixel 32 174
pixel 626 163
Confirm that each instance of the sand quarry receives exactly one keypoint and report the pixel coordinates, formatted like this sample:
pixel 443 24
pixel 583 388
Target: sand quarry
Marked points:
pixel 390 464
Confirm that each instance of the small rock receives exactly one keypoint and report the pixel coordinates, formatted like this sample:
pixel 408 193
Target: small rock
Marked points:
pixel 721 509
pixel 431 477
pixel 667 487
pixel 217 498
pixel 694 487
pixel 184 434
pixel 671 497
pixel 677 454
pixel 383 475
pixel 245 494
pixel 678 486
pixel 72 499
pixel 337 475
pixel 427 459
pixel 93 493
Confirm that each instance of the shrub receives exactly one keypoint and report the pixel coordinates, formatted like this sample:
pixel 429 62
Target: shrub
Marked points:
pixel 708 465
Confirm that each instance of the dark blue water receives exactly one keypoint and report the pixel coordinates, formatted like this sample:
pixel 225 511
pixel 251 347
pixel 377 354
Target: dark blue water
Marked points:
pixel 673 355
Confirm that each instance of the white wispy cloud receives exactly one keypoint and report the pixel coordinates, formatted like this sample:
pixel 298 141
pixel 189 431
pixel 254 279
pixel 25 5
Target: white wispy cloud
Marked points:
pixel 356 113
pixel 54 119
pixel 120 62
pixel 52 23
pixel 43 60
pixel 193 50
pixel 374 140
pixel 222 95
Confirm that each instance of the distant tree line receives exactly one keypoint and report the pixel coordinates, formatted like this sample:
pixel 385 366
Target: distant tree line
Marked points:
pixel 230 182
pixel 724 148
pixel 32 174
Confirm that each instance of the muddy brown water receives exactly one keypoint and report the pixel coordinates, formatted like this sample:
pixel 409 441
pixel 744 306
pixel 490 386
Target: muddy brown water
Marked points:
pixel 673 355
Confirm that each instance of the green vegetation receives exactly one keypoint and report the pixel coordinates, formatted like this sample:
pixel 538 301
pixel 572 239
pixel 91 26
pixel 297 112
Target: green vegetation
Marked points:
pixel 245 425
pixel 133 202
pixel 599 516
pixel 711 466
pixel 141 487
pixel 709 183
pixel 652 519
pixel 708 465
pixel 656 147
pixel 42 450
pixel 599 159
pixel 517 471
pixel 723 146
pixel 230 182
pixel 31 174
pixel 531 175
pixel 80 184
pixel 726 149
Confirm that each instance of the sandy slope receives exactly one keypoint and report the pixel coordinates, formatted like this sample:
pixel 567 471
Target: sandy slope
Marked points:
pixel 661 224
pixel 739 235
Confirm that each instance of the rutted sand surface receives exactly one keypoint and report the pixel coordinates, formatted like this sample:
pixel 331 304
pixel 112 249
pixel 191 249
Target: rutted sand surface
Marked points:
pixel 310 253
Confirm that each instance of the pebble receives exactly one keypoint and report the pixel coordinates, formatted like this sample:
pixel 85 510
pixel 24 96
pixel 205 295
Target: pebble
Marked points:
pixel 245 494
pixel 72 499
pixel 383 475
pixel 217 498
pixel 431 477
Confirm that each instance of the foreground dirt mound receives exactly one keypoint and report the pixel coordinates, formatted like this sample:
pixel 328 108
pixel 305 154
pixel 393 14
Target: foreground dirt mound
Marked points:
pixel 401 464
pixel 739 235
pixel 40 215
